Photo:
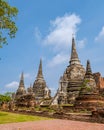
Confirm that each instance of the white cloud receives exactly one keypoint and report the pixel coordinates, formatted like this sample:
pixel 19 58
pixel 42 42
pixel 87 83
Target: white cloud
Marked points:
pixel 38 34
pixel 100 37
pixel 61 30
pixel 13 84
pixel 60 37
pixel 81 43
pixel 58 59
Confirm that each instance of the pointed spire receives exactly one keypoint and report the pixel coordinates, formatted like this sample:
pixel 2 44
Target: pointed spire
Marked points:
pixel 88 73
pixel 22 76
pixel 74 56
pixel 21 84
pixel 40 74
pixel 88 67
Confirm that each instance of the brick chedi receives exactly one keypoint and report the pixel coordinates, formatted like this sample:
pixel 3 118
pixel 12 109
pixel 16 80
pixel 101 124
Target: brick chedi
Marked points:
pixel 99 82
pixel 71 80
pixel 22 98
pixel 89 92
pixel 89 81
pixel 30 90
pixel 79 88
pixel 89 97
pixel 21 89
pixel 40 88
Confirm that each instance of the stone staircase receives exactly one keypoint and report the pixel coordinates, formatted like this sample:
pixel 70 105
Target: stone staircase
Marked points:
pixel 73 90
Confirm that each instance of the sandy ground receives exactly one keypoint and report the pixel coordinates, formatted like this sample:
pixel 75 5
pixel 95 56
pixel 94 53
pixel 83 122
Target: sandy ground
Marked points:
pixel 55 124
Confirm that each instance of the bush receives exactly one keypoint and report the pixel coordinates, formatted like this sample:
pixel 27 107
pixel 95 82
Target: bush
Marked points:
pixel 4 98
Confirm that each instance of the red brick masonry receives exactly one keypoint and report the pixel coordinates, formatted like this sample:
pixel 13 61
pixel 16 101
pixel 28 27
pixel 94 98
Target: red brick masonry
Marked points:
pixel 99 80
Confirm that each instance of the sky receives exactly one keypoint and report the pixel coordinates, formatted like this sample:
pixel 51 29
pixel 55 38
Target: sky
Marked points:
pixel 45 30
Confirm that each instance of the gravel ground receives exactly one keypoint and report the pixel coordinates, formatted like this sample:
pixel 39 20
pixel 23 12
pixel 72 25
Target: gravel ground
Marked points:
pixel 55 124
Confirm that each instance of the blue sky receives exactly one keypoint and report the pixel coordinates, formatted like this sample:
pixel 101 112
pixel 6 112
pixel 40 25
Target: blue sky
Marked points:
pixel 45 29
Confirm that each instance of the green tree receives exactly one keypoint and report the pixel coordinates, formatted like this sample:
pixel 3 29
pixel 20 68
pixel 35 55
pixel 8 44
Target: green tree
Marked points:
pixel 9 94
pixel 4 98
pixel 7 21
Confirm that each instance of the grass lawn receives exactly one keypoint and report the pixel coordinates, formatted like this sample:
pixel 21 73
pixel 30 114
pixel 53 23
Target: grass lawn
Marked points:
pixel 7 117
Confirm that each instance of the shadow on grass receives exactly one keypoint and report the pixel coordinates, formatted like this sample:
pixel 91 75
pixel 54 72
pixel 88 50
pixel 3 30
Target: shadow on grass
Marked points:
pixel 3 114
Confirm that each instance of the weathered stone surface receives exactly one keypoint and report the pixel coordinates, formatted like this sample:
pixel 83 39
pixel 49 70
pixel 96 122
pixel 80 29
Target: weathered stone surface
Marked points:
pixel 99 80
pixel 26 100
pixel 30 90
pixel 21 89
pixel 4 106
pixel 70 82
pixel 80 89
pixel 89 97
pixel 34 94
pixel 40 88
pixel 89 84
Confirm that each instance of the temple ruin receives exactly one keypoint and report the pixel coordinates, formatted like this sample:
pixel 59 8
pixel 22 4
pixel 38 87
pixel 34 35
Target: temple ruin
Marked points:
pixel 39 93
pixel 79 88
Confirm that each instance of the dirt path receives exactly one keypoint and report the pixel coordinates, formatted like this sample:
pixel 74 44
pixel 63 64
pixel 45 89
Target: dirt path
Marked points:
pixel 55 124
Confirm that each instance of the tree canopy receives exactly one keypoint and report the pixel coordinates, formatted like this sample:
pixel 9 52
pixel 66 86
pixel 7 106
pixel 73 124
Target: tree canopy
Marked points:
pixel 9 94
pixel 4 98
pixel 7 21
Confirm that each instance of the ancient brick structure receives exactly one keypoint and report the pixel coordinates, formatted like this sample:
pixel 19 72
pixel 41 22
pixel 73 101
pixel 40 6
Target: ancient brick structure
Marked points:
pixel 89 81
pixel 89 97
pixel 99 80
pixel 30 90
pixel 40 88
pixel 38 93
pixel 21 89
pixel 78 87
pixel 70 82
pixel 26 100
